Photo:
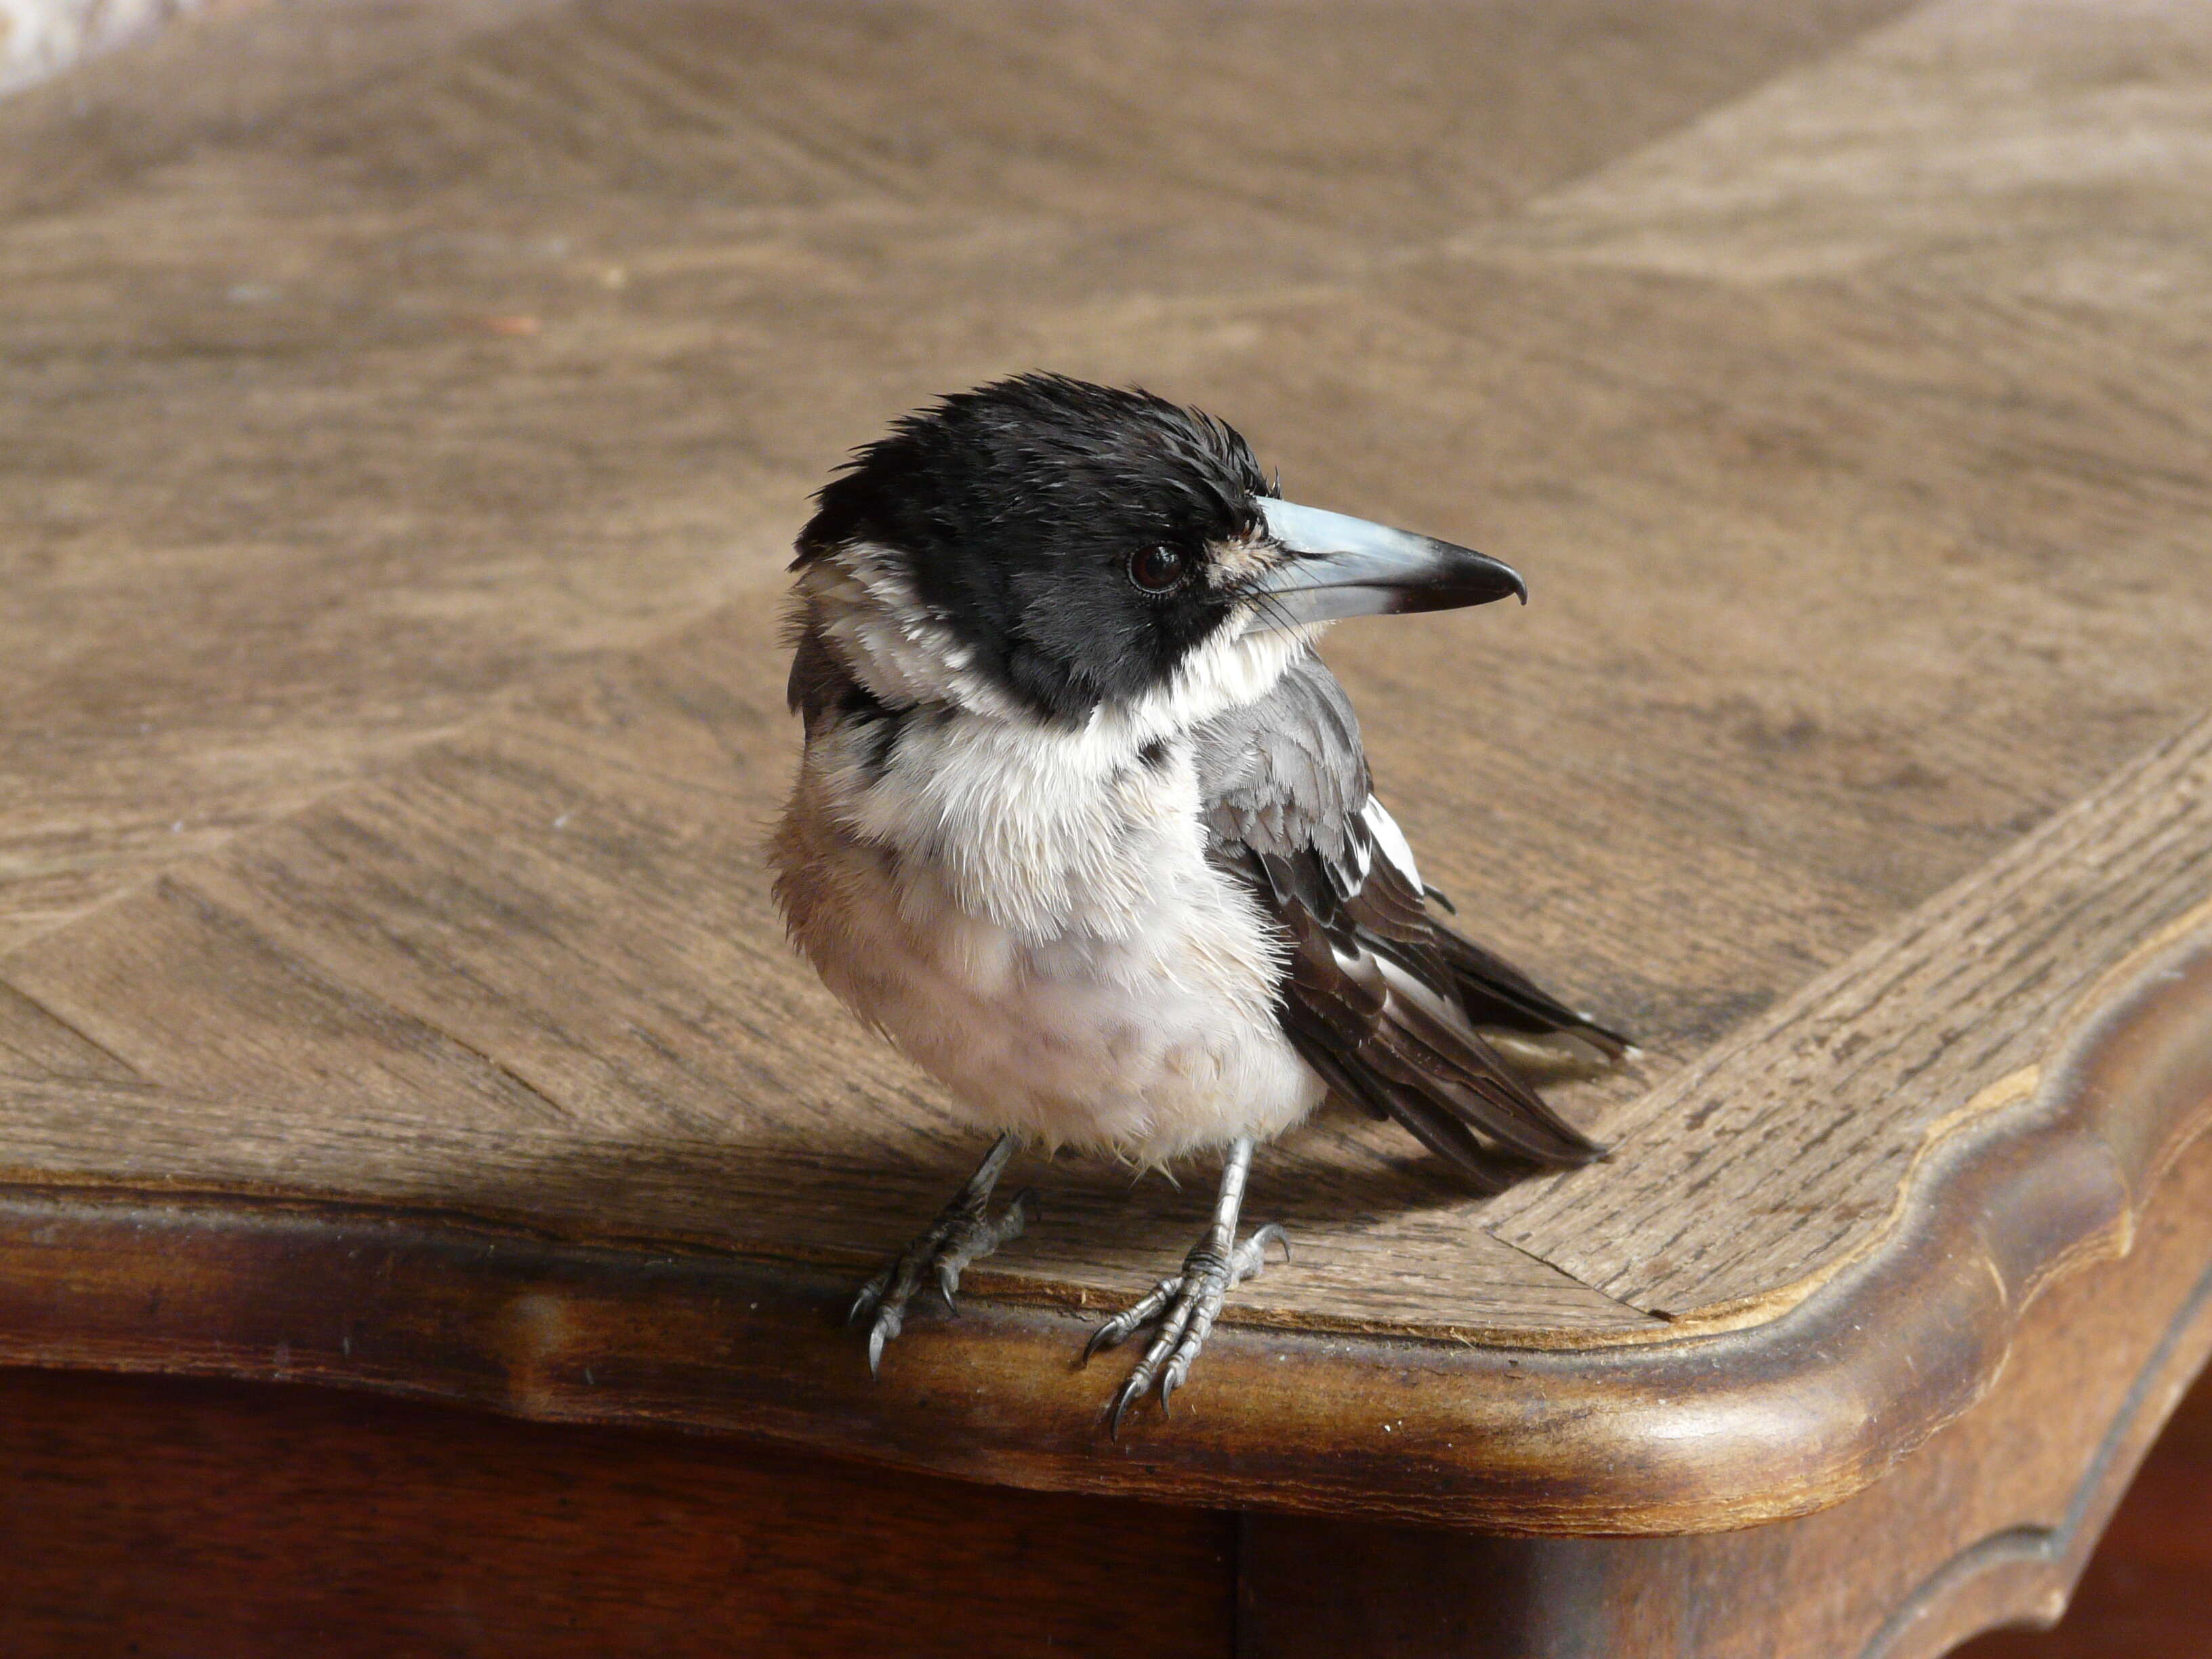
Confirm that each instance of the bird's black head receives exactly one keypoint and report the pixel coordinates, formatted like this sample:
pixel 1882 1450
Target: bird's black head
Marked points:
pixel 1069 535
pixel 1080 545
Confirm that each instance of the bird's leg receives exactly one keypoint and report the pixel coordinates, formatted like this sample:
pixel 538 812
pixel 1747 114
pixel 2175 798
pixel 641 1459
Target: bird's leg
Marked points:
pixel 963 1230
pixel 1186 1305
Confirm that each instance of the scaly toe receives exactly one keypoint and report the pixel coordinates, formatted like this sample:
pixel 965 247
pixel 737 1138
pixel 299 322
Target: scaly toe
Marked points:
pixel 1123 1325
pixel 958 1236
pixel 1178 1368
pixel 1186 1308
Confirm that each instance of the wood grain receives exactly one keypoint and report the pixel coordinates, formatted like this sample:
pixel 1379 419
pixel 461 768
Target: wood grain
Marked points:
pixel 400 447
pixel 164 1517
pixel 1990 1523
pixel 261 420
pixel 2144 1590
pixel 1696 1434
pixel 551 929
pixel 1739 1201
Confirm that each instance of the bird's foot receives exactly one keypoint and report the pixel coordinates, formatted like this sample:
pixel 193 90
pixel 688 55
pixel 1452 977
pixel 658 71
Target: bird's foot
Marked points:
pixel 963 1230
pixel 1185 1307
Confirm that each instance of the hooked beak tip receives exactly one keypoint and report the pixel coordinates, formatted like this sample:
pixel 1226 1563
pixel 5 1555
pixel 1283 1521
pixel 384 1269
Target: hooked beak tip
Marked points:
pixel 1344 567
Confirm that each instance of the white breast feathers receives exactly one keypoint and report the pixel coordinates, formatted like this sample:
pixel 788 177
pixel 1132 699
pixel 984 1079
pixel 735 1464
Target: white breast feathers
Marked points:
pixel 1027 909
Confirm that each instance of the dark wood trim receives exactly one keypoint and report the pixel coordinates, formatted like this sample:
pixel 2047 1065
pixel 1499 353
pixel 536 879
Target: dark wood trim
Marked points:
pixel 2024 1573
pixel 1700 1434
pixel 1989 1523
pixel 168 1516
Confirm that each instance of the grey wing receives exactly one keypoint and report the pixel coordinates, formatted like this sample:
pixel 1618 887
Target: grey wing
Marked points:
pixel 1380 999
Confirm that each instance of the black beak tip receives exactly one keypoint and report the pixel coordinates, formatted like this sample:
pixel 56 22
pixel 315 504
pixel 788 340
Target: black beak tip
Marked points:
pixel 1493 579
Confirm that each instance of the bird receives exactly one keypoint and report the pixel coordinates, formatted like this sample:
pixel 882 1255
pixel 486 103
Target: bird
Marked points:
pixel 1083 825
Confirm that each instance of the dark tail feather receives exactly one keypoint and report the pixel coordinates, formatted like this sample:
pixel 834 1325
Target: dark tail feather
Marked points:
pixel 1496 992
pixel 1468 1078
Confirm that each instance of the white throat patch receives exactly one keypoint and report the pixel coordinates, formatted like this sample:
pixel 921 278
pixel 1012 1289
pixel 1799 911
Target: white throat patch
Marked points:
pixel 1037 826
pixel 1026 907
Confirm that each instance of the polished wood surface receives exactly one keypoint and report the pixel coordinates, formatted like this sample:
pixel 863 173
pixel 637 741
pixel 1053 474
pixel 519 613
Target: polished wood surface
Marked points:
pixel 170 1519
pixel 405 416
pixel 2147 1591
pixel 1709 1432
pixel 165 1517
pixel 1989 1522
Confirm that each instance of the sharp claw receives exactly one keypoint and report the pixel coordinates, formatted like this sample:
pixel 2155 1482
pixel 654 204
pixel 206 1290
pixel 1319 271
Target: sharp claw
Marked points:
pixel 1124 1400
pixel 864 1303
pixel 1178 1368
pixel 1186 1308
pixel 963 1230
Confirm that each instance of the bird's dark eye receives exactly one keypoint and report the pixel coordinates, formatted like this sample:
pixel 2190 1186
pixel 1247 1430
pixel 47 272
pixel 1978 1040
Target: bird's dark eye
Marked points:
pixel 1159 570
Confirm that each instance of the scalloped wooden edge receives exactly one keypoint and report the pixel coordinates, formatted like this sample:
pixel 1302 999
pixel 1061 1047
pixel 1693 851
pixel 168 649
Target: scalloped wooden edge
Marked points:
pixel 1703 1432
pixel 2003 1095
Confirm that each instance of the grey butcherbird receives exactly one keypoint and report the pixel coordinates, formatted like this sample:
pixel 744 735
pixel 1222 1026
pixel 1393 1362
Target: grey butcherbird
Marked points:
pixel 1084 827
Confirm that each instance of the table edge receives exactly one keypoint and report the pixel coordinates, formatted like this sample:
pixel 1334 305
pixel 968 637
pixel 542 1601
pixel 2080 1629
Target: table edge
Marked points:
pixel 1703 1432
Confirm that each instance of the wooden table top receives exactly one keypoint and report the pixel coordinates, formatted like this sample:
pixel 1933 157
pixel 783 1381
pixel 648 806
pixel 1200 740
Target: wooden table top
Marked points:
pixel 403 418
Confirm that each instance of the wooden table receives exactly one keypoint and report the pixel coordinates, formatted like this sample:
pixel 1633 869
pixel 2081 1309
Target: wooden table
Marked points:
pixel 405 413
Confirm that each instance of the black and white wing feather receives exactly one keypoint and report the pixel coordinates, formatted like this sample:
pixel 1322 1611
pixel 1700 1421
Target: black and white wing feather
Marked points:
pixel 1381 999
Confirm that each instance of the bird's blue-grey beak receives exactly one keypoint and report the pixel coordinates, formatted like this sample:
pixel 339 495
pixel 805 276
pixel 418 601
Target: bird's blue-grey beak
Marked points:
pixel 1339 567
